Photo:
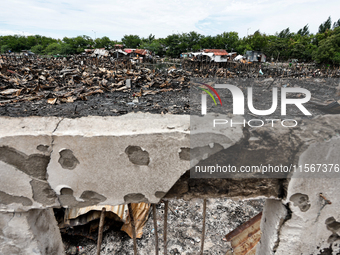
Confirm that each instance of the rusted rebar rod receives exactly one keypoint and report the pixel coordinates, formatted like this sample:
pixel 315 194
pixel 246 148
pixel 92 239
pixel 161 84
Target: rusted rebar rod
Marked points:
pixel 155 226
pixel 133 229
pixel 165 225
pixel 100 230
pixel 203 227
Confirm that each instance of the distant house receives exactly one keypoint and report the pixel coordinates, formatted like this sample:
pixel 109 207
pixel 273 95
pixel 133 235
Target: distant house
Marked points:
pixel 216 55
pixel 255 56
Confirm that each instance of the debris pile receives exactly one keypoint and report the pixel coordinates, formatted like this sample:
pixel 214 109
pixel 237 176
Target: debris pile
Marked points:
pixel 67 80
pixel 236 69
pixel 184 229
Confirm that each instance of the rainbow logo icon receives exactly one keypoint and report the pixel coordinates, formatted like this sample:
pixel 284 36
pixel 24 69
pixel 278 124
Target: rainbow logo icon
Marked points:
pixel 209 93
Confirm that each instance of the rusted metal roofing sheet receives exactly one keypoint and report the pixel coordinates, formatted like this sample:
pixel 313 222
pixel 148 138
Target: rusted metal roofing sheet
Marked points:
pixel 244 238
pixel 217 52
pixel 140 215
pixel 141 51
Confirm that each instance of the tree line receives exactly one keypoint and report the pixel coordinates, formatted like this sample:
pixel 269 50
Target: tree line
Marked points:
pixel 322 47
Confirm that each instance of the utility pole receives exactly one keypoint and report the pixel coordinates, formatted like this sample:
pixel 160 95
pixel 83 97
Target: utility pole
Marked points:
pixel 248 30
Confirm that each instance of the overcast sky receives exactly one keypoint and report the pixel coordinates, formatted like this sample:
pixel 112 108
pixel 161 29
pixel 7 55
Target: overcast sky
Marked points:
pixel 116 18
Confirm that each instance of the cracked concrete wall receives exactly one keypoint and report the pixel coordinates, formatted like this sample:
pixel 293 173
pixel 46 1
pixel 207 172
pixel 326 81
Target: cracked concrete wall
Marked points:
pixel 27 233
pixel 308 220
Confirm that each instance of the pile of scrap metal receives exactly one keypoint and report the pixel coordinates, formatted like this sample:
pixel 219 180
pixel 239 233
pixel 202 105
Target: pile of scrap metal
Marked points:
pixel 137 55
pixel 244 238
pixel 102 52
pixel 85 221
pixel 255 56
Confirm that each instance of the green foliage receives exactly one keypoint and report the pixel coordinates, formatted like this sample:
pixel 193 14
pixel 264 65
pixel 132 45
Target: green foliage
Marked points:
pixel 322 47
pixel 336 24
pixel 304 31
pixel 4 48
pixel 131 41
pixel 38 49
pixel 285 33
pixel 174 45
pixel 155 46
pixel 329 49
pixel 53 49
pixel 227 41
pixel 325 26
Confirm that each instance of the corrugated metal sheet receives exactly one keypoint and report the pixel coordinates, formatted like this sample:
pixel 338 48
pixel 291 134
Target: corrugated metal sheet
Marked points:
pixel 120 210
pixel 141 51
pixel 217 52
pixel 101 52
pixel 244 238
pixel 140 215
pixel 81 216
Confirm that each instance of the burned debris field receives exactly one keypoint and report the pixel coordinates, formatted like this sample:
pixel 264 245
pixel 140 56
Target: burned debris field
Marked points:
pixel 81 85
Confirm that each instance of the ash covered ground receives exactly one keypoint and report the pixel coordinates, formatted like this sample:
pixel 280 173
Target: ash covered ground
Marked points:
pixel 184 229
pixel 81 86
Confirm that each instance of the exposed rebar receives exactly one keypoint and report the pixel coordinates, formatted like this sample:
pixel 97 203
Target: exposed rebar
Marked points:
pixel 100 230
pixel 155 227
pixel 165 225
pixel 203 227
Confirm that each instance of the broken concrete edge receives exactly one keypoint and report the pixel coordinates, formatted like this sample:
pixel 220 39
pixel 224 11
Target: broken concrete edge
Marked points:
pixel 32 232
pixel 264 145
pixel 157 166
pixel 43 158
pixel 307 220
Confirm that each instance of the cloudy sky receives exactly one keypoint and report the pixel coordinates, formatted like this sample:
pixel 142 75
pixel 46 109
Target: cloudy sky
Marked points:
pixel 116 18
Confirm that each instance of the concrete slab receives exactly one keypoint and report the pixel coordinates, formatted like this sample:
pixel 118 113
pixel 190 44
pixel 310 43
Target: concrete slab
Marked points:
pixel 97 160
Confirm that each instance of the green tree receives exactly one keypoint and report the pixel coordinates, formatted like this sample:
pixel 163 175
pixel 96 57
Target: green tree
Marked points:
pixel 285 33
pixel 4 48
pixel 155 46
pixel 131 41
pixel 173 45
pixel 227 40
pixel 53 49
pixel 103 42
pixel 304 31
pixel 325 26
pixel 38 49
pixel 336 24
pixel 149 39
pixel 329 49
